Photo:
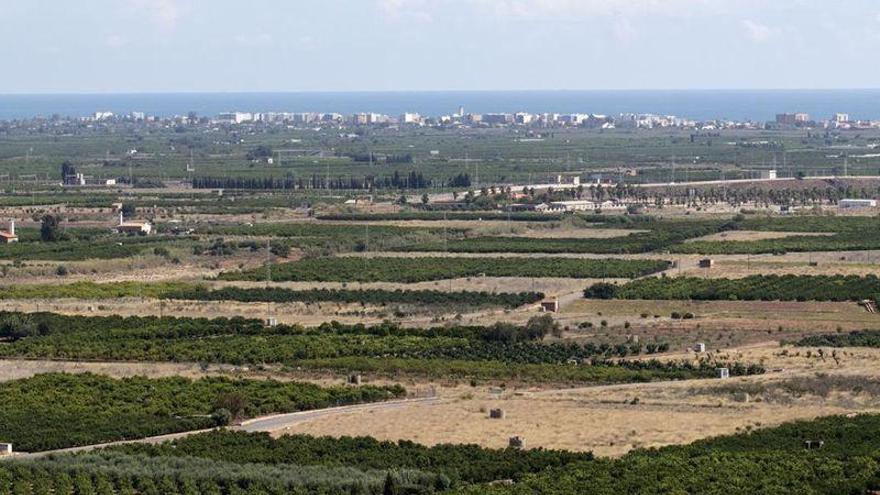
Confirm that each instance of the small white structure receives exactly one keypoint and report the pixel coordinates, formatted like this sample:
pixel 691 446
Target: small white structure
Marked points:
pixel 699 347
pixel 9 236
pixel 578 205
pixel 768 174
pixel 5 448
pixel 723 373
pixel 271 321
pixel 133 227
pixel 550 305
pixel 857 203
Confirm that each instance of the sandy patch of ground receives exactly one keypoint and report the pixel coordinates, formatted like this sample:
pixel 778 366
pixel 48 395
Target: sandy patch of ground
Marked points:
pixel 608 420
pixel 720 324
pixel 753 235
pixel 575 233
pixel 549 286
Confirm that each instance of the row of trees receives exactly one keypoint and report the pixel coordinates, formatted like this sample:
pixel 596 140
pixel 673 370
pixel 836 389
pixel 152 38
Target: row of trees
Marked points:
pixel 751 288
pixel 458 463
pixel 408 270
pixel 764 461
pixel 53 411
pixel 500 351
pixel 368 296
pixel 396 180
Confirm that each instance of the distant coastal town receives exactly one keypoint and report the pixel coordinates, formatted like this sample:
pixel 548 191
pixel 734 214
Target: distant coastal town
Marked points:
pixel 462 118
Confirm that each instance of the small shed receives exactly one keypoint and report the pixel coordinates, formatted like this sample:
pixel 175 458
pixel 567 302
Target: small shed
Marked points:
pixel 5 448
pixel 723 373
pixel 706 263
pixel 497 413
pixel 271 321
pixel 550 305
pixel 9 236
pixel 517 442
pixel 354 379
pixel 813 444
pixel 699 347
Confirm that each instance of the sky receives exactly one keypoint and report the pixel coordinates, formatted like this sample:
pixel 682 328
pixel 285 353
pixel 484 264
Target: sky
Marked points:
pixel 99 46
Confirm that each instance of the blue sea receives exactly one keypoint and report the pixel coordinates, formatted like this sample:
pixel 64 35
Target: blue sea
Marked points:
pixel 703 104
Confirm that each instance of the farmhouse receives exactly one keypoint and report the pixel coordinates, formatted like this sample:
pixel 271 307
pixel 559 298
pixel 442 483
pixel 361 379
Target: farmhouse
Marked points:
pixel 550 305
pixel 857 203
pixel 573 205
pixel 133 227
pixel 8 236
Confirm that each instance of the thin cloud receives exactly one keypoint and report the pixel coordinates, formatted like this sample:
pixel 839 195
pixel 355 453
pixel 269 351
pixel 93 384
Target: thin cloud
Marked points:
pixel 253 40
pixel 115 41
pixel 562 9
pixel 165 13
pixel 408 9
pixel 757 32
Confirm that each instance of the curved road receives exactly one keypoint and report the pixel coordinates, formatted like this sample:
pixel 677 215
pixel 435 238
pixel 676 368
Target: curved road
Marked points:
pixel 265 423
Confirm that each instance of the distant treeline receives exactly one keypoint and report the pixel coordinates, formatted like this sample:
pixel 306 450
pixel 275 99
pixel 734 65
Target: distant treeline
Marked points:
pixel 421 269
pixel 397 180
pixel 442 215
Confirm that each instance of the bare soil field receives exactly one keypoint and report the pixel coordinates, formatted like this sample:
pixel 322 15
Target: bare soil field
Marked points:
pixel 288 313
pixel 611 420
pixel 753 235
pixel 720 324
pixel 549 286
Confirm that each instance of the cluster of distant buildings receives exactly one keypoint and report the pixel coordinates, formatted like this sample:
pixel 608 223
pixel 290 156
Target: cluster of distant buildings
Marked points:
pixel 462 118
pixel 837 121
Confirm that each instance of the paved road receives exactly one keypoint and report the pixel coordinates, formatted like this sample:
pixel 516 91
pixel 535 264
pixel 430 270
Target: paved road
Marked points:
pixel 279 421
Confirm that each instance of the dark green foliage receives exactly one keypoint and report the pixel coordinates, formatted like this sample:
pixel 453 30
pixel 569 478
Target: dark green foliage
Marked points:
pixel 459 463
pixel 53 411
pixel 164 475
pixel 863 338
pixel 494 352
pixel 328 236
pixel 660 236
pixel 601 290
pixel 440 215
pixel 394 269
pixel 846 234
pixel 752 288
pixel 769 461
pixel 71 248
pixel 50 229
pixel 368 296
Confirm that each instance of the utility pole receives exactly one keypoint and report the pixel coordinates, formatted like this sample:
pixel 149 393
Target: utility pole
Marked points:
pixel 366 243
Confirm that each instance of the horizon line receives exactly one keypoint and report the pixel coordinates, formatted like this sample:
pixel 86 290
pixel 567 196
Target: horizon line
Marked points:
pixel 399 91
